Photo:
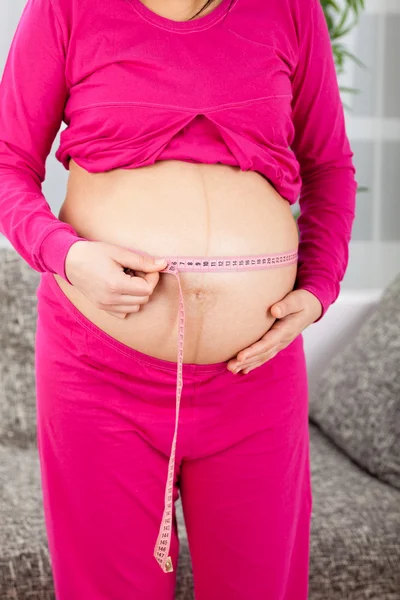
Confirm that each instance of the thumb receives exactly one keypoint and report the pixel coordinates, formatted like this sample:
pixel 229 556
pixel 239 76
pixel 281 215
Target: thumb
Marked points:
pixel 141 262
pixel 284 307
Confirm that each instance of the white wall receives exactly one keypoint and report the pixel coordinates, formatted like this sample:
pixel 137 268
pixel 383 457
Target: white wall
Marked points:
pixel 374 122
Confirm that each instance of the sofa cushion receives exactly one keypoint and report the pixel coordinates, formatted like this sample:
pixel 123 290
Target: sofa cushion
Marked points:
pixel 18 315
pixel 25 566
pixel 356 400
pixel 24 560
pixel 355 528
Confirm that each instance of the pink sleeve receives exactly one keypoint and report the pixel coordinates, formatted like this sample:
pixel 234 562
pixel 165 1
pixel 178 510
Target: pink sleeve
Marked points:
pixel 32 97
pixel 321 146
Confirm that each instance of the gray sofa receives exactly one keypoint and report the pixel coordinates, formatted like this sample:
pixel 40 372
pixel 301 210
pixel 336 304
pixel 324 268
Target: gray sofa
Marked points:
pixel 355 541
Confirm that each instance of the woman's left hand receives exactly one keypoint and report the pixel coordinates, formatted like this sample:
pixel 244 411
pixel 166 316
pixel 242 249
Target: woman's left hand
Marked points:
pixel 296 311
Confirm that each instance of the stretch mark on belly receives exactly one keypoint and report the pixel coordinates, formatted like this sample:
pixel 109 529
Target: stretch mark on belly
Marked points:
pixel 176 264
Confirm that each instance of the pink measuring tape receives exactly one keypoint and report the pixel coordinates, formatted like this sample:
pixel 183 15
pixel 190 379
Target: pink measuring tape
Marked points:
pixel 175 265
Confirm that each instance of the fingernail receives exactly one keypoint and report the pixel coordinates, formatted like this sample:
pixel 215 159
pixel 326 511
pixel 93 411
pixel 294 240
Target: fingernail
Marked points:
pixel 160 261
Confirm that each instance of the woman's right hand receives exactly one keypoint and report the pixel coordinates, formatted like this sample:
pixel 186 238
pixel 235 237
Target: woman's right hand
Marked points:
pixel 96 269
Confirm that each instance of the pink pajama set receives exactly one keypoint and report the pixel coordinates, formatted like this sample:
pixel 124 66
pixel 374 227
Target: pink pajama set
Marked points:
pixel 121 434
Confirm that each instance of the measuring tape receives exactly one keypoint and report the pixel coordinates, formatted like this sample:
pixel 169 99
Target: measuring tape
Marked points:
pixel 175 265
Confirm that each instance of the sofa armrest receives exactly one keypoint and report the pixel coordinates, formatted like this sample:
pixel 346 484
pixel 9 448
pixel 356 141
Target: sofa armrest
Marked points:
pixel 324 339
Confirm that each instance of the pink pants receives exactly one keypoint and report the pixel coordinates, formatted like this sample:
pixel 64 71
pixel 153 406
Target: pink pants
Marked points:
pixel 105 421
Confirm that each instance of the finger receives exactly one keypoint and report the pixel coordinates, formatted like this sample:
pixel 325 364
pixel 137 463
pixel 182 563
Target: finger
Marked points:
pixel 259 359
pixel 125 310
pixel 251 363
pixel 252 352
pixel 252 367
pixel 125 284
pixel 118 315
pixel 152 279
pixel 269 340
pixel 125 300
pixel 234 365
pixel 291 303
pixel 141 274
pixel 138 261
pixel 239 368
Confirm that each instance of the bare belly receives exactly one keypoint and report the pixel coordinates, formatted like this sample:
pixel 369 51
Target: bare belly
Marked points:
pixel 179 208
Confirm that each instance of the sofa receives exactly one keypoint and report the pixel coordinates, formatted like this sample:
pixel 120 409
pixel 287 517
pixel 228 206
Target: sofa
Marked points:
pixel 355 537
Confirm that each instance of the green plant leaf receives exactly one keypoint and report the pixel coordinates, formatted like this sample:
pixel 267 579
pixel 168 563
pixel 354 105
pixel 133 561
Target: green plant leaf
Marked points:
pixel 349 54
pixel 348 89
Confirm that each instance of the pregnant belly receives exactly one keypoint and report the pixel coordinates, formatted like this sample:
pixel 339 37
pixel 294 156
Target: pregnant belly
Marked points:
pixel 177 208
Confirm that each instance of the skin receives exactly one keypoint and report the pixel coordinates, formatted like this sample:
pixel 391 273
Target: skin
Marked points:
pixel 297 310
pixel 179 10
pixel 210 210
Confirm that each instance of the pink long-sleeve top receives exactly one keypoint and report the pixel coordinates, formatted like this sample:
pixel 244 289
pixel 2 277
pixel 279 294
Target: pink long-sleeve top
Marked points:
pixel 252 84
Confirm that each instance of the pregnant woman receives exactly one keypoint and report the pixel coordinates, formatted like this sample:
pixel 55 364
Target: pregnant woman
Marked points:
pixel 191 129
